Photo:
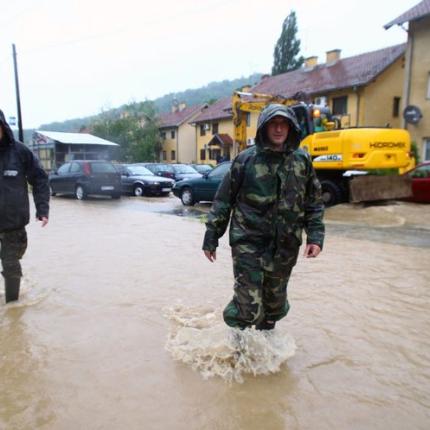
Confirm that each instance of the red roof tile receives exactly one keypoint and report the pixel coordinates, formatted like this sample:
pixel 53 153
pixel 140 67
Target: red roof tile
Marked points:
pixel 221 109
pixel 420 10
pixel 175 119
pixel 344 73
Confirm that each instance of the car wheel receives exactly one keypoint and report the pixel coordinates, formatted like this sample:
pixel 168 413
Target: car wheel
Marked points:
pixel 187 198
pixel 331 193
pixel 80 192
pixel 138 190
pixel 52 192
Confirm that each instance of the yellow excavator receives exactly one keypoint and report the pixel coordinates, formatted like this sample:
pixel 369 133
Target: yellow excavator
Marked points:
pixel 342 158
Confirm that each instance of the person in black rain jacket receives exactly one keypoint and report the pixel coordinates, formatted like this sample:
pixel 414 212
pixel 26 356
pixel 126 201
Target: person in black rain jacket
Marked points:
pixel 18 166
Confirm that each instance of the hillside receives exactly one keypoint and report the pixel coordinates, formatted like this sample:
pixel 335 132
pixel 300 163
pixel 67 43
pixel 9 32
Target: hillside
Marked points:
pixel 209 93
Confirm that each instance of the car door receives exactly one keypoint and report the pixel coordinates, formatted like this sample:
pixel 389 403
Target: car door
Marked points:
pixel 74 174
pixel 58 180
pixel 211 182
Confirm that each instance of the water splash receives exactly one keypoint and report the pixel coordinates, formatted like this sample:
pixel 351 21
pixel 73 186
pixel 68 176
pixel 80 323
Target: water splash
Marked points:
pixel 199 338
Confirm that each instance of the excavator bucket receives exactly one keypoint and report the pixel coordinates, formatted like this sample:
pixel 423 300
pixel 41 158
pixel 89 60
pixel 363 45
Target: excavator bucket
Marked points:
pixel 370 188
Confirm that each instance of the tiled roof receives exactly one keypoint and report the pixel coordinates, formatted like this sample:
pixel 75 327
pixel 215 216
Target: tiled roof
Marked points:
pixel 420 10
pixel 175 119
pixel 219 110
pixel 344 73
pixel 223 139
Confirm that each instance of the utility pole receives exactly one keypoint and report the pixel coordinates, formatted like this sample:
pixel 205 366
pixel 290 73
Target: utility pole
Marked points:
pixel 18 100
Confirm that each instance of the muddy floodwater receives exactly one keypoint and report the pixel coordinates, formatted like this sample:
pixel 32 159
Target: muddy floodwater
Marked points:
pixel 119 326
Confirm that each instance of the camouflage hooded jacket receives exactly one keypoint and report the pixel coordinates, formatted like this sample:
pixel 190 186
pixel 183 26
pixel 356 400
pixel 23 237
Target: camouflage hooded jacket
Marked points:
pixel 272 196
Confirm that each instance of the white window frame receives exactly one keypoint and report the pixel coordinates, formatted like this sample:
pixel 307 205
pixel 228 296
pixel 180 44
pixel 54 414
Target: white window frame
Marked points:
pixel 426 148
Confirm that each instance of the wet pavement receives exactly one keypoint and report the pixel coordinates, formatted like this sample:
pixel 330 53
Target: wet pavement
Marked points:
pixel 86 345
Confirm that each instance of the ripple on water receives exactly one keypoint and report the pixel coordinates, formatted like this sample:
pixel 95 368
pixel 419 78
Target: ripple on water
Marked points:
pixel 199 338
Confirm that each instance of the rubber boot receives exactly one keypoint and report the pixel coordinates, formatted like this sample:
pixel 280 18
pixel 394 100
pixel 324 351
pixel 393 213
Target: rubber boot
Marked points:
pixel 265 325
pixel 12 289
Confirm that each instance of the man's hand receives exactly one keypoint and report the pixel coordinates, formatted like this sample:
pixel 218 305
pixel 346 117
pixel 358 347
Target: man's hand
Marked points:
pixel 210 255
pixel 311 250
pixel 43 220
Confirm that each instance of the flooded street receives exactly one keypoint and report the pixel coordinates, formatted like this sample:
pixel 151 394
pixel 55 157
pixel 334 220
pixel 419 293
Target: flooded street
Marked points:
pixel 108 283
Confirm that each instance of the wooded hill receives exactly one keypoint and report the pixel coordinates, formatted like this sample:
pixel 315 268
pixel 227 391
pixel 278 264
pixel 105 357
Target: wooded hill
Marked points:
pixel 207 94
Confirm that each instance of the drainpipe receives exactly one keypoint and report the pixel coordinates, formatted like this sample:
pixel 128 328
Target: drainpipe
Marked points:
pixel 177 145
pixel 408 75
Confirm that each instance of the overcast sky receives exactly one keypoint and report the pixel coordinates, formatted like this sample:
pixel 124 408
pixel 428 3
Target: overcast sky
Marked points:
pixel 78 57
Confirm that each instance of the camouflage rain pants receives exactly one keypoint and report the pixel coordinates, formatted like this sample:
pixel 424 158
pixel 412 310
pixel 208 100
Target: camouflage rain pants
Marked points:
pixel 260 288
pixel 13 245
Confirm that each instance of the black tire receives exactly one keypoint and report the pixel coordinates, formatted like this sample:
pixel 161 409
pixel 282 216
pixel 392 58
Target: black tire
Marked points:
pixel 80 192
pixel 187 197
pixel 331 193
pixel 138 190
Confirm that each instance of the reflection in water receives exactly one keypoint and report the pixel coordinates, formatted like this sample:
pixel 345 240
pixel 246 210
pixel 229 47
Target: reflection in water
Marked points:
pixel 86 345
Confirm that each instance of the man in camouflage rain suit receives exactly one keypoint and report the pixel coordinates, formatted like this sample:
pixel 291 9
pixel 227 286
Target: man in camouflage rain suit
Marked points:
pixel 18 166
pixel 273 193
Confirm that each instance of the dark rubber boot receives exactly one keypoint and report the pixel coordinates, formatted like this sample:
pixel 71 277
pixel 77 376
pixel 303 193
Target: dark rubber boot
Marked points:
pixel 12 288
pixel 265 325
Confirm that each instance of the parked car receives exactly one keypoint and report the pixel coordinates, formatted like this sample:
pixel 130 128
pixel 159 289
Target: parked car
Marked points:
pixel 420 176
pixel 174 171
pixel 202 168
pixel 138 180
pixel 195 190
pixel 82 178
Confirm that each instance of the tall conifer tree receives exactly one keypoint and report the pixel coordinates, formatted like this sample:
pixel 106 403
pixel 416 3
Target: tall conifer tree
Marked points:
pixel 286 55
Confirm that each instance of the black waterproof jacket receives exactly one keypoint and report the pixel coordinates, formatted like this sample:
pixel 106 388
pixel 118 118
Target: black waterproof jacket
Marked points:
pixel 18 166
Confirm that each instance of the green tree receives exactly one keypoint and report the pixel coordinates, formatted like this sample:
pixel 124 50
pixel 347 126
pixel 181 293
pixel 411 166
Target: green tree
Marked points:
pixel 135 130
pixel 286 55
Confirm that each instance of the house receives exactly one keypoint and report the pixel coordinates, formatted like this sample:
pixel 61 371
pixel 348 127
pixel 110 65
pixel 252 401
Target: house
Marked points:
pixel 214 131
pixel 364 90
pixel 54 148
pixel 178 141
pixel 416 95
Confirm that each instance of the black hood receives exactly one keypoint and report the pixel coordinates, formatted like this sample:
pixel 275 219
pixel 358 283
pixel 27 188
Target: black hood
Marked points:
pixel 269 112
pixel 8 138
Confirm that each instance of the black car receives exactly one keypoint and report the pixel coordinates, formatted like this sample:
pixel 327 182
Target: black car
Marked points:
pixel 202 168
pixel 173 171
pixel 84 177
pixel 138 180
pixel 195 190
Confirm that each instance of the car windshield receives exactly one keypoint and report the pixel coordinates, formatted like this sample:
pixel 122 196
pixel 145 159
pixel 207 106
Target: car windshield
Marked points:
pixel 203 168
pixel 139 170
pixel 183 168
pixel 103 168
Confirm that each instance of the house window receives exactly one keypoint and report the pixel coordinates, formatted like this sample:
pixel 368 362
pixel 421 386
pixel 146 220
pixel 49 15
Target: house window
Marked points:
pixel 173 155
pixel 172 134
pixel 163 135
pixel 164 155
pixel 428 86
pixel 340 105
pixel 248 119
pixel 203 154
pixel 215 128
pixel 202 130
pixel 396 107
pixel 427 149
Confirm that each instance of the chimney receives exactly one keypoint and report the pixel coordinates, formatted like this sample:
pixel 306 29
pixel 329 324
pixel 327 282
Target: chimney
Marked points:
pixel 332 56
pixel 311 62
pixel 182 106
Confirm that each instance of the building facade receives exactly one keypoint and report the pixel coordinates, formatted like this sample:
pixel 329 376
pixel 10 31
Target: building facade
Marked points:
pixel 417 74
